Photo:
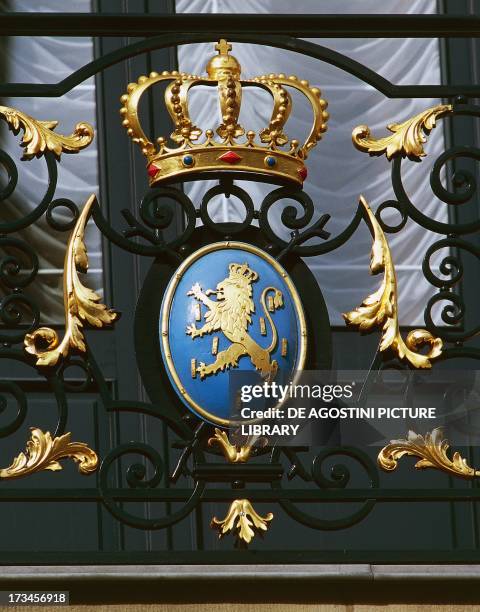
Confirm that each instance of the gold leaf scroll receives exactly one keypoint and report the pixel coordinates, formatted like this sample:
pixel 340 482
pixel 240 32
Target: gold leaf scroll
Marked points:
pixel 44 453
pixel 407 138
pixel 81 303
pixel 242 520
pixel 432 449
pixel 381 308
pixel 38 136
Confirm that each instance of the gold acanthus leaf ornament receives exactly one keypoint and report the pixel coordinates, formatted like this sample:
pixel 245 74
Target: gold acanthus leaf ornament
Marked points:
pixel 431 449
pixel 242 520
pixel 232 453
pixel 407 138
pixel 38 136
pixel 44 453
pixel 81 303
pixel 381 308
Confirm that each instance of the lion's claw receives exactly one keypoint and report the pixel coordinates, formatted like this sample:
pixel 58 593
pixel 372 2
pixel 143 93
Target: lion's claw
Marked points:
pixel 196 290
pixel 191 330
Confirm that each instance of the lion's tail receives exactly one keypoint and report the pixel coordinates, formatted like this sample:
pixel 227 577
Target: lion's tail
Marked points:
pixel 276 302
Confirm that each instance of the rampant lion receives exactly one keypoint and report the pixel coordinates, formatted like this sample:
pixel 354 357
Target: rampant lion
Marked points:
pixel 231 314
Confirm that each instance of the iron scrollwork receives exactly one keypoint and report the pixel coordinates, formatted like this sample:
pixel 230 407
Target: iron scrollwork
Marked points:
pixel 241 517
pixel 18 269
pixel 380 310
pixel 407 140
pixel 340 477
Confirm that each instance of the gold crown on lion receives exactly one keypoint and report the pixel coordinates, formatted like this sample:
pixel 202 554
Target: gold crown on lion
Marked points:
pixel 236 149
pixel 242 271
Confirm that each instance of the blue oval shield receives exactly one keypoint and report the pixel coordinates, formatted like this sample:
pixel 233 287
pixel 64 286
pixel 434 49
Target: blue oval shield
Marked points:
pixel 229 305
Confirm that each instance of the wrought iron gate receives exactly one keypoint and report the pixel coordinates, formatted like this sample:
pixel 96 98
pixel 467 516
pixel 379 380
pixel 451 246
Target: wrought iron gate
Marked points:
pixel 170 483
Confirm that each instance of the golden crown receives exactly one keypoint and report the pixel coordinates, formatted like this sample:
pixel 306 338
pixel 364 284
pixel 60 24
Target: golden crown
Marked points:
pixel 242 271
pixel 236 150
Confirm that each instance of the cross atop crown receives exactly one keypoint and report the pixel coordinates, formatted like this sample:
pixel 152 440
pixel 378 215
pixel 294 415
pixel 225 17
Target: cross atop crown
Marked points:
pixel 223 47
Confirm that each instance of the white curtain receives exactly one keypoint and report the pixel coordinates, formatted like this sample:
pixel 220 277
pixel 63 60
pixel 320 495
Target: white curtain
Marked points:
pixel 338 173
pixel 48 60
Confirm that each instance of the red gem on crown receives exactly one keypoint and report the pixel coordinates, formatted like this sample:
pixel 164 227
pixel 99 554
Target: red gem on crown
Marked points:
pixel 230 157
pixel 152 170
pixel 303 173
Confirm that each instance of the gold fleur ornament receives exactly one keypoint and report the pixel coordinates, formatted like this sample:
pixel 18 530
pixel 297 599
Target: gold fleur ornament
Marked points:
pixel 242 520
pixel 81 303
pixel 380 309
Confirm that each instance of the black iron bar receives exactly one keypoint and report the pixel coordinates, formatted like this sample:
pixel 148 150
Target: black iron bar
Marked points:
pixel 319 26
pixel 260 495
